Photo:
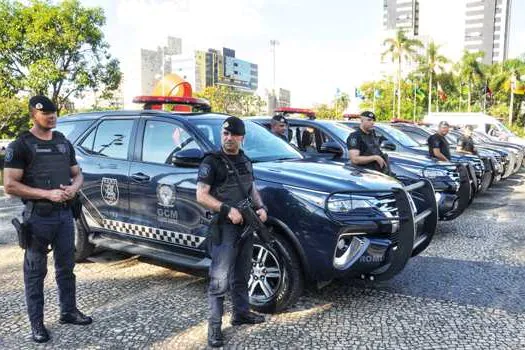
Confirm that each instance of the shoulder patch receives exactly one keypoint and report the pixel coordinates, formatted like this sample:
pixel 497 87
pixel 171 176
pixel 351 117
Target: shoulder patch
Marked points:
pixel 353 140
pixel 9 154
pixel 204 170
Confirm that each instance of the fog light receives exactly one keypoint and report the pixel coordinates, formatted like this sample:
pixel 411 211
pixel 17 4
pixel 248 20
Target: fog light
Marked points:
pixel 341 244
pixel 438 197
pixel 348 250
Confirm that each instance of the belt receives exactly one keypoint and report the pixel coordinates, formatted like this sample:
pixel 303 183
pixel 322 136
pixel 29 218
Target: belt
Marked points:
pixel 55 205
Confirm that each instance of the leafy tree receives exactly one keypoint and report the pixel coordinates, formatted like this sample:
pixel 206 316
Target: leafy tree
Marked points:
pixel 324 111
pixel 14 117
pixel 431 64
pixel 470 70
pixel 55 49
pixel 341 102
pixel 225 99
pixel 400 48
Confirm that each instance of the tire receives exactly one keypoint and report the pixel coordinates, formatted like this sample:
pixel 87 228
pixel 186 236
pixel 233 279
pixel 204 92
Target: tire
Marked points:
pixel 286 284
pixel 83 248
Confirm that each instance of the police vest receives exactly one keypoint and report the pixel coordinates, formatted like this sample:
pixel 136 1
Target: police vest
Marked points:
pixel 49 167
pixel 229 191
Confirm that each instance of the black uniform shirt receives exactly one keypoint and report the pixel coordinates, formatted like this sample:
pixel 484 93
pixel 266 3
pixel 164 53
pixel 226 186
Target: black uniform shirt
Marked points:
pixel 19 156
pixel 466 143
pixel 438 141
pixel 213 172
pixel 367 144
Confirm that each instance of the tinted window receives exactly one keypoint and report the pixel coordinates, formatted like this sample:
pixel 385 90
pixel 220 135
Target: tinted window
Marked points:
pixel 422 139
pixel 87 144
pixel 111 139
pixel 259 144
pixel 72 130
pixel 163 140
pixel 400 136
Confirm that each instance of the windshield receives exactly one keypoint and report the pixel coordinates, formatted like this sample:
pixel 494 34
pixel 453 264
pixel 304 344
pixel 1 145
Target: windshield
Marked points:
pixel 259 144
pixel 503 128
pixel 400 136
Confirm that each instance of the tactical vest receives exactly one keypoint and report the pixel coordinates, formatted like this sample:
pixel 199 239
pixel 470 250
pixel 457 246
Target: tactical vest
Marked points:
pixel 49 167
pixel 372 148
pixel 229 191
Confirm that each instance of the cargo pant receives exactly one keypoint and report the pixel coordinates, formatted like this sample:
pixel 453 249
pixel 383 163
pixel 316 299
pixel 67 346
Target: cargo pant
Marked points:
pixel 230 269
pixel 57 230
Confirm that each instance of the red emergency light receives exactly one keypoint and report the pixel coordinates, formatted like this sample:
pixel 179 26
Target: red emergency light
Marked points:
pixel 399 120
pixel 290 110
pixel 349 116
pixel 156 102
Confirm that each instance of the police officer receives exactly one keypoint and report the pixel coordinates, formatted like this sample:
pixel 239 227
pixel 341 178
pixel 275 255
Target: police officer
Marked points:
pixel 438 146
pixel 218 189
pixel 278 126
pixel 40 167
pixel 364 145
pixel 465 142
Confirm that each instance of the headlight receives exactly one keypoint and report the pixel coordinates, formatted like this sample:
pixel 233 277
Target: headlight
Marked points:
pixel 343 203
pixel 433 172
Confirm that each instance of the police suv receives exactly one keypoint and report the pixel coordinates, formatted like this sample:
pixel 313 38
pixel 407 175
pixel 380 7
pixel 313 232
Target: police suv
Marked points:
pixel 139 195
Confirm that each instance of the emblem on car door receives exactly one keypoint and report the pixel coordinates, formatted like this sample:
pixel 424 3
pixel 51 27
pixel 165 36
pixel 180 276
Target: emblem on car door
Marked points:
pixel 109 190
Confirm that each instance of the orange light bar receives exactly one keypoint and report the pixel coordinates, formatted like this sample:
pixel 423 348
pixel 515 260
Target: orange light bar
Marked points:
pixel 290 110
pixel 155 101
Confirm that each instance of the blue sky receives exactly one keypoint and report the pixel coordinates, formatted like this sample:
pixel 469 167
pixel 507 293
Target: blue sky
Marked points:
pixel 324 45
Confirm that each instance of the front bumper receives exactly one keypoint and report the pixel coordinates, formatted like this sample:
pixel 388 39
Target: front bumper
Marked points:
pixel 381 256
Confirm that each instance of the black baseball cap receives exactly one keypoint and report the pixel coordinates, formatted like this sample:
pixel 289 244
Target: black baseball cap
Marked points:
pixel 279 118
pixel 234 125
pixel 443 123
pixel 368 114
pixel 42 103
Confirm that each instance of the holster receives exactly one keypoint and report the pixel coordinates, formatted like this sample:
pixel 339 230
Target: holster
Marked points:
pixel 22 233
pixel 215 230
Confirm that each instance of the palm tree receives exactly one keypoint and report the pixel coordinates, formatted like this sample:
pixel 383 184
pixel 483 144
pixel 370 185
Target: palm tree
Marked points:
pixel 400 48
pixel 432 63
pixel 470 70
pixel 341 102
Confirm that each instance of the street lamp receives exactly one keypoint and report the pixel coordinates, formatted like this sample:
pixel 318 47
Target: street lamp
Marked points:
pixel 273 44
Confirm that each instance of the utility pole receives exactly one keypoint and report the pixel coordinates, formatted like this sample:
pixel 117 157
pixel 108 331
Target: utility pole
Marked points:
pixel 273 44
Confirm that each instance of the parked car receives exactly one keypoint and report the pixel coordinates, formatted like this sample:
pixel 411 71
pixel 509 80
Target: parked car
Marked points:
pixel 140 170
pixel 497 161
pixel 397 140
pixel 323 140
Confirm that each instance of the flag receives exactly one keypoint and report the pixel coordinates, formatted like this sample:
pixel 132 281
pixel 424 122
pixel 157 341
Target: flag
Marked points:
pixel 442 95
pixel 359 94
pixel 487 91
pixel 420 92
pixel 517 87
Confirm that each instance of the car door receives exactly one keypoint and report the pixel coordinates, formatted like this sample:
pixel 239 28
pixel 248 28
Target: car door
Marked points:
pixel 308 139
pixel 104 155
pixel 162 195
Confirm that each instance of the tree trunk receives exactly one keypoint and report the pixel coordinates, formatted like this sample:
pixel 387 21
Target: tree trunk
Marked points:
pixel 430 94
pixel 394 100
pixel 399 88
pixel 469 95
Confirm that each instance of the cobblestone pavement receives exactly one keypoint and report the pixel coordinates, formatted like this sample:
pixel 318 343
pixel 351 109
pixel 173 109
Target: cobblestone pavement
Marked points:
pixel 467 291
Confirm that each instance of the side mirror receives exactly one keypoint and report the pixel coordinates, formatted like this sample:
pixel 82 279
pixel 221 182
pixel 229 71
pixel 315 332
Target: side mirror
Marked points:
pixel 188 158
pixel 388 146
pixel 331 147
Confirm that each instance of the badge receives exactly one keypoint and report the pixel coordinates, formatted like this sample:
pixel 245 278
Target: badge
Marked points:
pixel 109 190
pixel 166 195
pixel 61 148
pixel 225 125
pixel 204 170
pixel 353 141
pixel 9 154
pixel 39 106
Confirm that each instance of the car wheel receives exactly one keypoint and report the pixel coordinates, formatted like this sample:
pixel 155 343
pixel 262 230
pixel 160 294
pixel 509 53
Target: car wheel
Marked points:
pixel 83 248
pixel 276 280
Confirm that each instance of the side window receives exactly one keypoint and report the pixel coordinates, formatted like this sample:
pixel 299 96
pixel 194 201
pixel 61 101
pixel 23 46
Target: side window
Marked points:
pixel 303 138
pixel 416 136
pixel 111 139
pixel 87 144
pixel 163 140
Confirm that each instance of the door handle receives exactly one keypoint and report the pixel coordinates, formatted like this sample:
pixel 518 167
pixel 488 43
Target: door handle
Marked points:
pixel 140 177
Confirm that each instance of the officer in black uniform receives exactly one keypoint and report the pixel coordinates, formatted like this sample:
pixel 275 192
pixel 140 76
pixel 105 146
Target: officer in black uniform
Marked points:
pixel 466 142
pixel 364 145
pixel 278 126
pixel 438 146
pixel 40 168
pixel 218 190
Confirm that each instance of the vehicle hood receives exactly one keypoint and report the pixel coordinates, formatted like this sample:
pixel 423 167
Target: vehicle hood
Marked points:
pixel 325 177
pixel 415 159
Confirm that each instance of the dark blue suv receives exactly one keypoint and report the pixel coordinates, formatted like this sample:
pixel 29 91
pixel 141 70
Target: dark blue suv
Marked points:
pixel 140 170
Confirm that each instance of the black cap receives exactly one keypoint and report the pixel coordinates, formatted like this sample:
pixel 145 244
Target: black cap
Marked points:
pixel 443 123
pixel 234 125
pixel 368 114
pixel 279 118
pixel 42 103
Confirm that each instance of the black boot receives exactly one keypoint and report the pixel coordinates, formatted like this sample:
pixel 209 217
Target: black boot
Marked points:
pixel 75 317
pixel 39 331
pixel 215 338
pixel 247 318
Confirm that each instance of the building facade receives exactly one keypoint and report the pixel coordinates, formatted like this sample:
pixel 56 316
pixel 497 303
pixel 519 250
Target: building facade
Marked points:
pixel 401 14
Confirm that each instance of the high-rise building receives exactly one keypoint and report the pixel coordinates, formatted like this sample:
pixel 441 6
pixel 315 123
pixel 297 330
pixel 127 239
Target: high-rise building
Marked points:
pixel 156 63
pixel 401 14
pixel 282 99
pixel 487 24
